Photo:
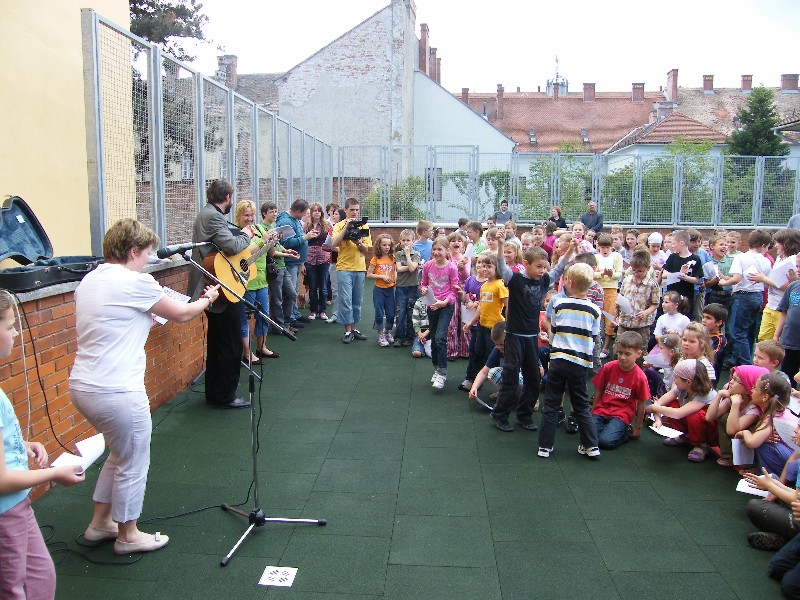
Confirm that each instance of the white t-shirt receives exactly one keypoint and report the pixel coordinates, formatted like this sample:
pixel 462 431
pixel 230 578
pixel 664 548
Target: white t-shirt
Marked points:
pixel 665 322
pixel 774 295
pixel 112 305
pixel 744 261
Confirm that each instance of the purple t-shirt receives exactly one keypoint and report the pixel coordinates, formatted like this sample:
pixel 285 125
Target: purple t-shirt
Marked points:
pixel 472 288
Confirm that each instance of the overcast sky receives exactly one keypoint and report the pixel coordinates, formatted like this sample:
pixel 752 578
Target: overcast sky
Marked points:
pixel 612 44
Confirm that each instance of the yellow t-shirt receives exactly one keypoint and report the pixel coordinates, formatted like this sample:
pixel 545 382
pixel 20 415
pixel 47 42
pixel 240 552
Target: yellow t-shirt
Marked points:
pixel 350 258
pixel 383 266
pixel 492 295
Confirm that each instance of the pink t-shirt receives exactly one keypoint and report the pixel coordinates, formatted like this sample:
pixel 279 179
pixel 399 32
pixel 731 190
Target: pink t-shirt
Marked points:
pixel 442 280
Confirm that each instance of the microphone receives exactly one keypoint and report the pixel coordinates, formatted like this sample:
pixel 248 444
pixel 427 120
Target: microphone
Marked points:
pixel 178 249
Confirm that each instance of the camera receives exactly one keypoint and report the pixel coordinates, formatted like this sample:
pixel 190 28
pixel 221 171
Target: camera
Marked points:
pixel 354 233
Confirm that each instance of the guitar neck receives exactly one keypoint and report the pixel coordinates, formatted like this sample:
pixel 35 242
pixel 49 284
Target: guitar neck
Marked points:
pixel 260 252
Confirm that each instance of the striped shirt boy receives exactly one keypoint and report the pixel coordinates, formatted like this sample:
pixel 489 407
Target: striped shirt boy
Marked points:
pixel 574 322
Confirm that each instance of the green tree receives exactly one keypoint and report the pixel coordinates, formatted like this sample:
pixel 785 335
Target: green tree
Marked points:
pixel 168 23
pixel 758 118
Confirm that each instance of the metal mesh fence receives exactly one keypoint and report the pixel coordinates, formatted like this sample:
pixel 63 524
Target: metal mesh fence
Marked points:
pixel 309 164
pixel 215 121
pixel 495 176
pixel 780 190
pixel 696 189
pixel 283 171
pixel 366 180
pixel 617 191
pixel 243 135
pixel 266 151
pixel 319 166
pixel 535 172
pixel 656 180
pixel 739 188
pixel 178 98
pixel 296 163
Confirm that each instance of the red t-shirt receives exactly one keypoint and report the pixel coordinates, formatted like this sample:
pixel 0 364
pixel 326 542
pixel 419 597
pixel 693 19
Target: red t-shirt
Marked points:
pixel 621 391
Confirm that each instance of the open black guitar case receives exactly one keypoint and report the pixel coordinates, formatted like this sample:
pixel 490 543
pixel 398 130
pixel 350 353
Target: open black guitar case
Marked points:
pixel 23 240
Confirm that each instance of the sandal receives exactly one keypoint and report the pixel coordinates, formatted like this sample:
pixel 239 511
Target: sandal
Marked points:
pixel 698 454
pixel 676 441
pixel 255 361
pixel 725 462
pixel 268 354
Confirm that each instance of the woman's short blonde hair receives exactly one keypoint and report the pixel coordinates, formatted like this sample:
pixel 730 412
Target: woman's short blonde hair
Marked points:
pixel 242 206
pixel 125 235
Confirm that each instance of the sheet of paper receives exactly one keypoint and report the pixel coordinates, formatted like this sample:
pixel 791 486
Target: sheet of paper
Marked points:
pixel 786 431
pixel 794 405
pixel 712 270
pixel 657 360
pixel 278 576
pixel 429 298
pixel 609 316
pixel 742 455
pixel 780 275
pixel 89 451
pixel 624 305
pixel 466 313
pixel 746 488
pixel 470 250
pixel 285 231
pixel 671 278
pixel 667 432
pixel 182 298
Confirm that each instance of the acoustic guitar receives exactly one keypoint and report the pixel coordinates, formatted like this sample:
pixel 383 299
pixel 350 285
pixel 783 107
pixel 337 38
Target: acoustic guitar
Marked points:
pixel 235 271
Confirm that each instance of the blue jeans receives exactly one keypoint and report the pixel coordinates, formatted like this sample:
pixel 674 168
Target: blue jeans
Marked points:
pixel 282 298
pixel 746 308
pixel 317 287
pixel 405 297
pixel 351 295
pixel 611 431
pixel 439 321
pixel 293 273
pixel 383 301
pixel 261 296
pixel 785 567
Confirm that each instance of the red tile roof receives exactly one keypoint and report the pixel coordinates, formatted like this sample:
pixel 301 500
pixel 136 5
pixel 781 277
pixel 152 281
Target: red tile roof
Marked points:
pixel 668 130
pixel 608 118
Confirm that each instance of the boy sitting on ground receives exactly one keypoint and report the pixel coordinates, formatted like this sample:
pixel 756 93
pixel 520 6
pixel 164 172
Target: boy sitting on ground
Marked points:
pixel 621 391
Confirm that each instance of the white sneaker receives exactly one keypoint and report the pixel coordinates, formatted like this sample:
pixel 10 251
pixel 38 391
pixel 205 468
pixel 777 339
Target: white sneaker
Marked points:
pixel 544 452
pixel 593 452
pixel 382 341
pixel 438 383
pixel 603 353
pixel 331 319
pixel 312 316
pixel 389 338
pixel 434 376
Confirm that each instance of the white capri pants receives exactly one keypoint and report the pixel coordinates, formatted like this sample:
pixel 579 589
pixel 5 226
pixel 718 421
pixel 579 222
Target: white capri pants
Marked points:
pixel 124 419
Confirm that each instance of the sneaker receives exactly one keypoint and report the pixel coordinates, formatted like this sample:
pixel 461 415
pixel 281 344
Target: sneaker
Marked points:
pixel 603 353
pixel 438 381
pixel 323 316
pixel 561 417
pixel 502 424
pixel 433 377
pixel 312 316
pixel 529 425
pixel 332 319
pixel 545 452
pixel 382 341
pixel 389 338
pixel 347 337
pixel 407 343
pixel 303 319
pixel 297 325
pixel 465 385
pixel 593 452
pixel 766 540
pixel 397 343
pixel 572 424
pixel 358 335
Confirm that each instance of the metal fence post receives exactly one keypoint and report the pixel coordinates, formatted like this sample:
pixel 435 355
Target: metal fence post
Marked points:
pixel 677 189
pixel 719 177
pixel 597 178
pixel 254 157
pixel 555 180
pixel 199 141
pixel 758 189
pixel 155 94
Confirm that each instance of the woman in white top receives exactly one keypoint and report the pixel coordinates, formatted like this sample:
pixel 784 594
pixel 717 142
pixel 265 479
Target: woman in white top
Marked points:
pixel 115 305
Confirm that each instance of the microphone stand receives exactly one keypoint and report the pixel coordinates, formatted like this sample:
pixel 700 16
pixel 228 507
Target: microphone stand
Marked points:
pixel 256 516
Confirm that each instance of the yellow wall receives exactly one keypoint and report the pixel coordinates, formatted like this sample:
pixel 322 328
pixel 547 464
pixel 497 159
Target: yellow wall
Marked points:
pixel 42 115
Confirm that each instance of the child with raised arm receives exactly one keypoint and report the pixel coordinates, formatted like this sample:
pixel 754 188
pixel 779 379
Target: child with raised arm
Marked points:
pixel 382 270
pixel 27 568
pixel 525 293
pixel 574 321
pixel 407 263
pixel 620 393
pixel 441 276
pixel 685 405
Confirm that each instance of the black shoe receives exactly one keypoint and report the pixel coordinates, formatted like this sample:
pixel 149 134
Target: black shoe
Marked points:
pixel 561 417
pixel 765 540
pixel 529 425
pixel 296 325
pixel 572 424
pixel 358 335
pixel 303 319
pixel 502 424
pixel 236 403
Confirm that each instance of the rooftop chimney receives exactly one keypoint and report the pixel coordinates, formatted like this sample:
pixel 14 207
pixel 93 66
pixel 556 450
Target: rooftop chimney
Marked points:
pixel 555 90
pixel 500 101
pixel 439 71
pixel 708 84
pixel 672 85
pixel 789 83
pixel 588 92
pixel 432 68
pixel 423 48
pixel 465 96
pixel 747 83
pixel 227 64
pixel 637 92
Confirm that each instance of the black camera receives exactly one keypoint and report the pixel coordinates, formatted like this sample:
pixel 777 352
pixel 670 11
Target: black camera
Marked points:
pixel 354 233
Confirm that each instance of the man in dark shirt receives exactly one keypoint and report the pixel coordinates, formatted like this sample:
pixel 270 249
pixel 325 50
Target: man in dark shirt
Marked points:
pixel 593 219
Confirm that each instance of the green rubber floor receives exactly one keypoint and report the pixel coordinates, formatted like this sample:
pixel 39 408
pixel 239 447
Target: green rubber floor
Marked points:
pixel 423 498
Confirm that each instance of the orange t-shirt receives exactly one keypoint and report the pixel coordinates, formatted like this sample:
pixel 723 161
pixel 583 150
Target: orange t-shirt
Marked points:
pixel 383 266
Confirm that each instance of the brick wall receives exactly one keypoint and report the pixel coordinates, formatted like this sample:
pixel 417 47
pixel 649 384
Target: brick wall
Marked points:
pixel 175 354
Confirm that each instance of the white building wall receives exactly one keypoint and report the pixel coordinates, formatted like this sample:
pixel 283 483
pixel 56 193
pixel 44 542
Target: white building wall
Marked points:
pixel 440 119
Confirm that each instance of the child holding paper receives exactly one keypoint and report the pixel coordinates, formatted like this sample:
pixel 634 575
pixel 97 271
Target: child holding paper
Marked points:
pixel 784 271
pixel 26 563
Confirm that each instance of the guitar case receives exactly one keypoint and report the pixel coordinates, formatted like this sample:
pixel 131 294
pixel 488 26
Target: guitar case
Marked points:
pixel 24 240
